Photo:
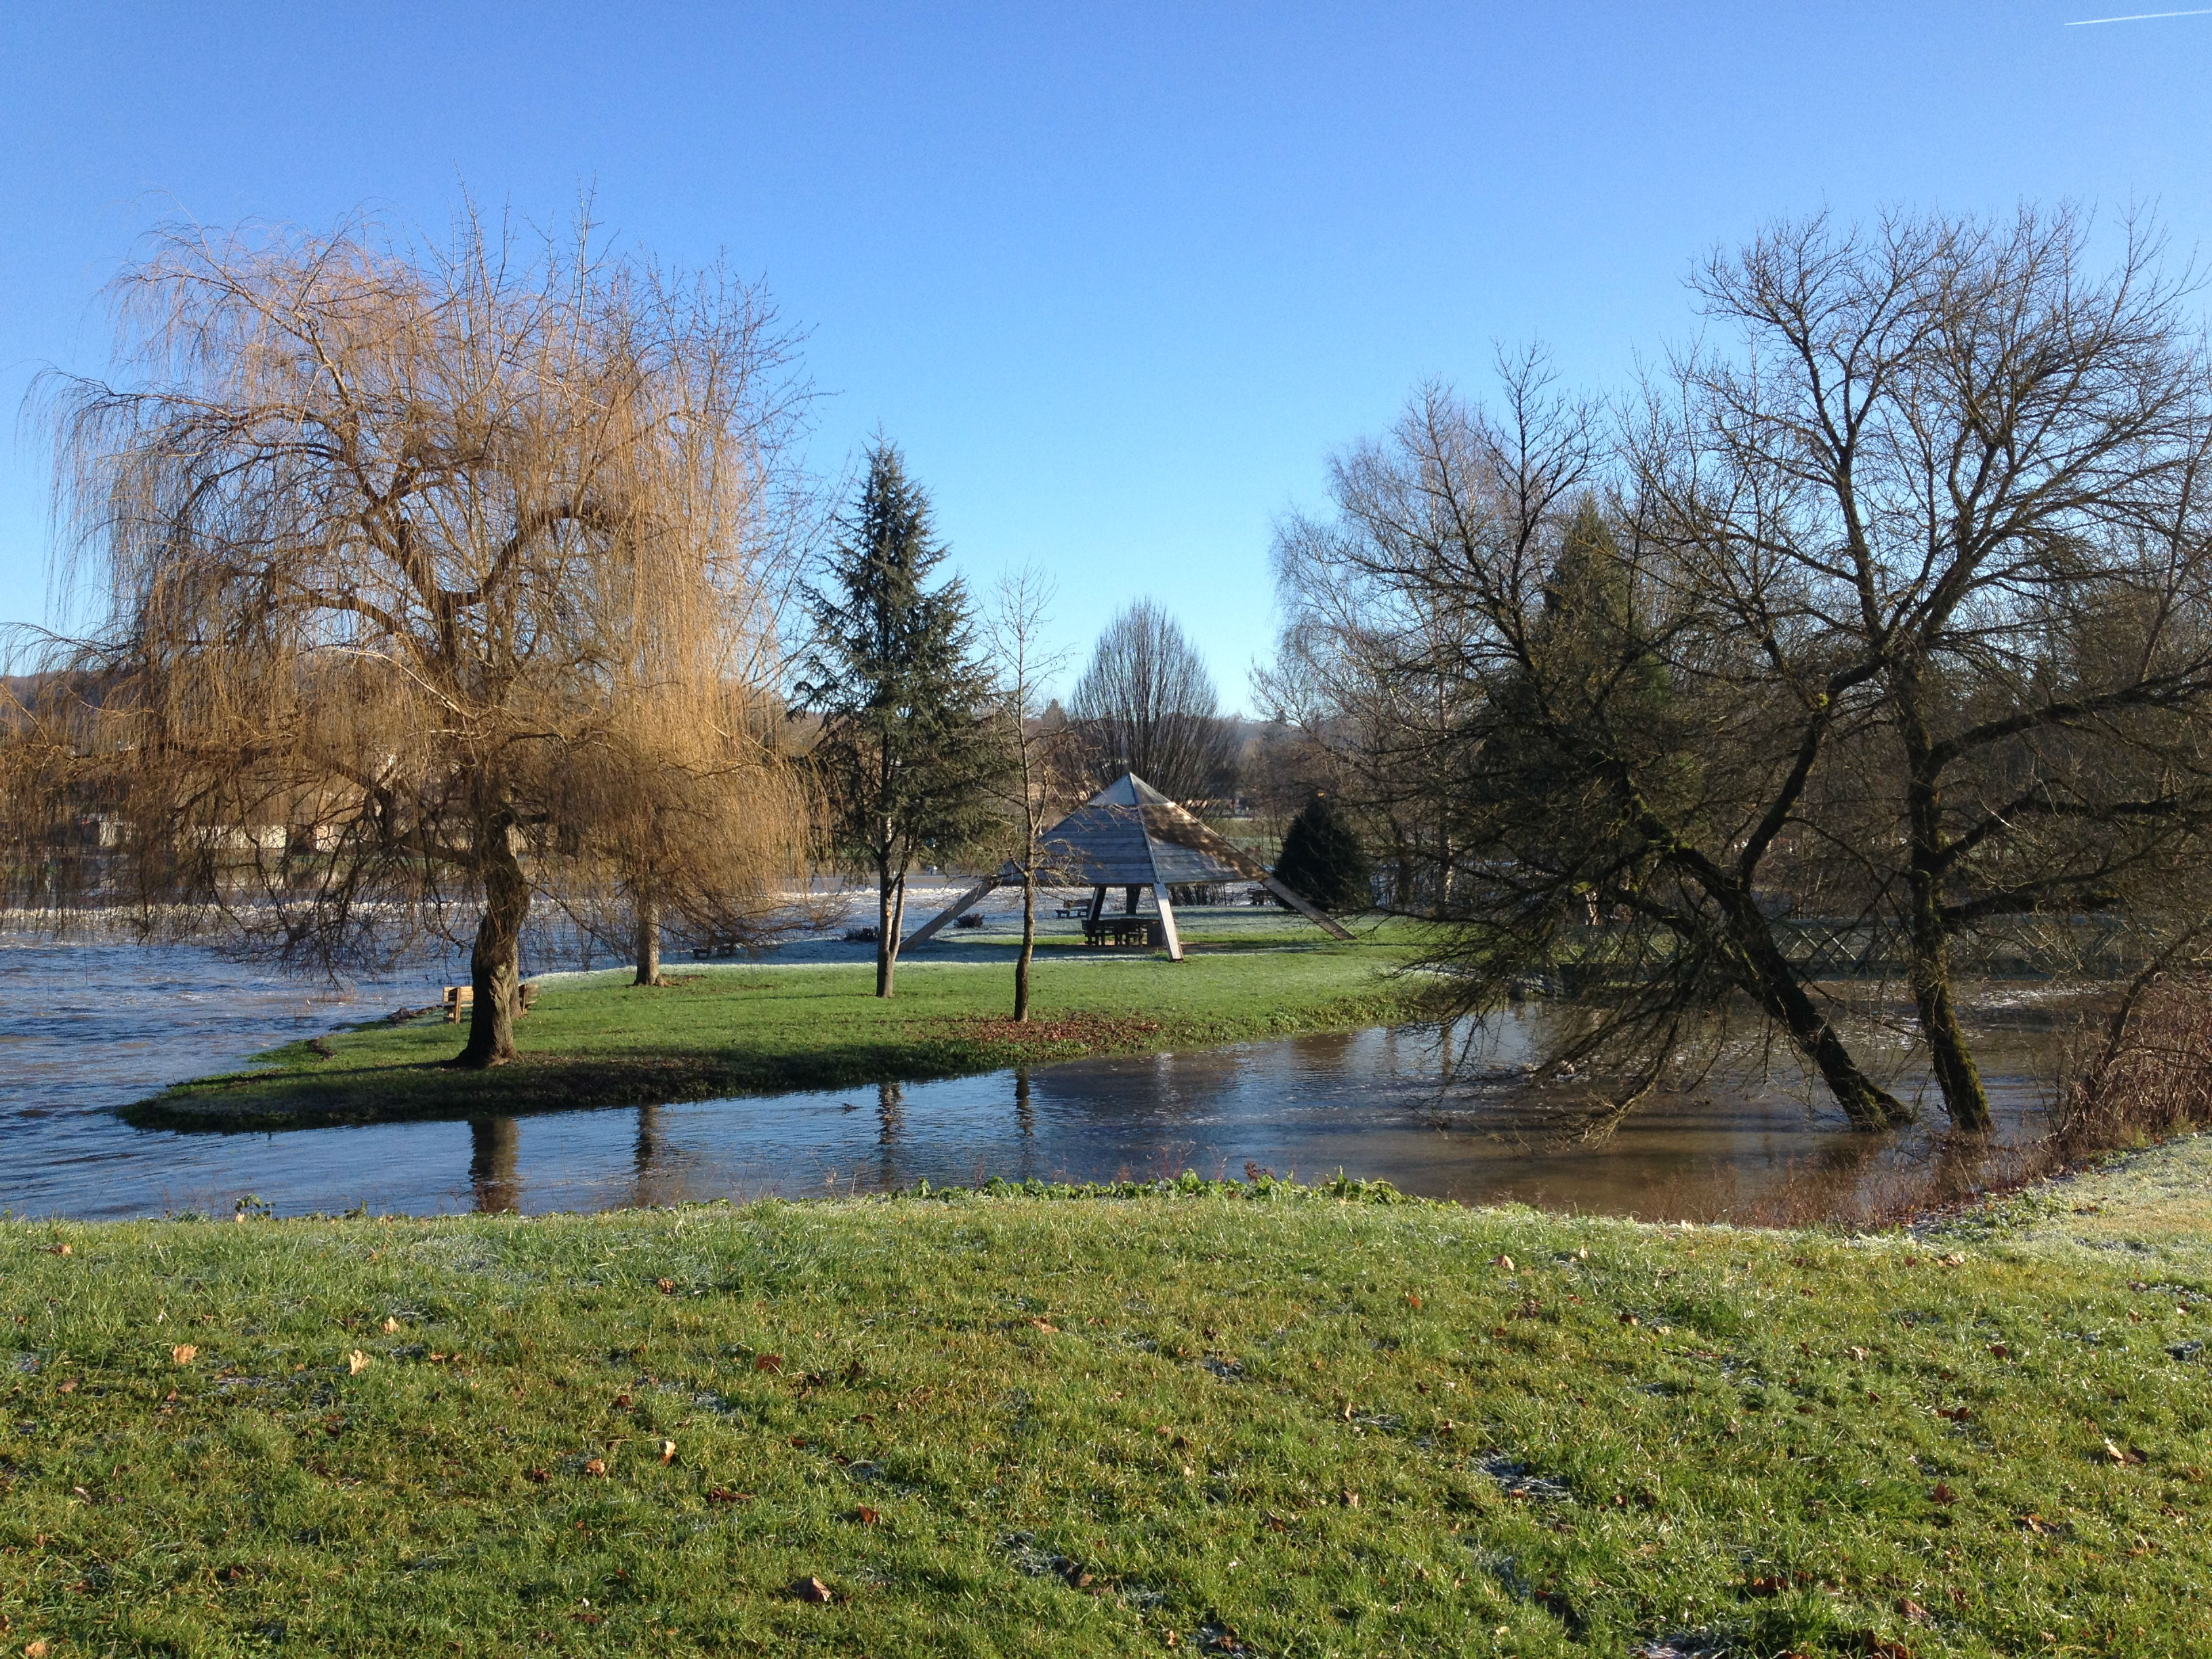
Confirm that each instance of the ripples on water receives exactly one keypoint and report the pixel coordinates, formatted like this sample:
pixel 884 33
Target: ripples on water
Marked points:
pixel 85 1028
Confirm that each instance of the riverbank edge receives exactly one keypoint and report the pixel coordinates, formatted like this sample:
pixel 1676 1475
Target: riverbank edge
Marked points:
pixel 295 1098
pixel 1235 1412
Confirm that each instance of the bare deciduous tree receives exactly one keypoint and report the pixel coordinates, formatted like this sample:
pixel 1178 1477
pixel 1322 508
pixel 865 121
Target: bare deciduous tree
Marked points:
pixel 399 548
pixel 1898 620
pixel 1147 706
pixel 1577 724
pixel 1956 481
pixel 1036 786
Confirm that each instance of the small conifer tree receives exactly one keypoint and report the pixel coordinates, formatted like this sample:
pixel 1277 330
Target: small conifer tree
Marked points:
pixel 907 751
pixel 1322 861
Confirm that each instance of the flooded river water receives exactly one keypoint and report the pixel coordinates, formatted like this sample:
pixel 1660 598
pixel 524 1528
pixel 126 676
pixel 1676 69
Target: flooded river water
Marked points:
pixel 85 1028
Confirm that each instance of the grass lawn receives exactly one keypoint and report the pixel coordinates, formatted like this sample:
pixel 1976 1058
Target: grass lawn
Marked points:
pixel 730 1029
pixel 1255 1421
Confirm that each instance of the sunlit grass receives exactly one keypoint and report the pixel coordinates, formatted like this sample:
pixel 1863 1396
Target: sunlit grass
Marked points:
pixel 729 1029
pixel 1018 1425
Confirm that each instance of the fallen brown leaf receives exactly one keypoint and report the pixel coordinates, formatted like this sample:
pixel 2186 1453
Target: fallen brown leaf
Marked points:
pixel 1043 1324
pixel 665 1286
pixel 1911 1609
pixel 1412 1300
pixel 1998 1350
pixel 1349 1499
pixel 668 1451
pixel 184 1353
pixel 356 1363
pixel 1944 1494
pixel 389 1324
pixel 37 1650
pixel 866 1516
pixel 724 1495
pixel 57 1249
pixel 769 1362
pixel 1504 1261
pixel 595 1466
pixel 812 1589
pixel 540 1475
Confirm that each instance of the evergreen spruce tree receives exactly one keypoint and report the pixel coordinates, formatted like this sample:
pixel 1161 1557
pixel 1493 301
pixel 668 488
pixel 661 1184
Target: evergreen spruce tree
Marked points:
pixel 908 752
pixel 1322 861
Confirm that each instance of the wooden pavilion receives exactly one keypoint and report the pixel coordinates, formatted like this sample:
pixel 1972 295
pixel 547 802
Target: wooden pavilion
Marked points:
pixel 1130 835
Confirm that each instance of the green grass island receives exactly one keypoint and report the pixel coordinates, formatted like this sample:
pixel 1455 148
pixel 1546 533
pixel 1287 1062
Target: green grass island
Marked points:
pixel 803 1018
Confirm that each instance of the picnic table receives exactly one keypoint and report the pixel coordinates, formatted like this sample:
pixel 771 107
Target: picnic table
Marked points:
pixel 1121 930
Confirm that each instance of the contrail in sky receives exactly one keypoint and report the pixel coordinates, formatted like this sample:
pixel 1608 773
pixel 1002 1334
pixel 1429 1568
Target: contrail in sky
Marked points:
pixel 2139 17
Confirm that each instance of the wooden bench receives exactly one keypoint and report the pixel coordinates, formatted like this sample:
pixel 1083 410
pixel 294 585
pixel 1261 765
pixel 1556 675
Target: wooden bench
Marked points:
pixel 1121 930
pixel 459 997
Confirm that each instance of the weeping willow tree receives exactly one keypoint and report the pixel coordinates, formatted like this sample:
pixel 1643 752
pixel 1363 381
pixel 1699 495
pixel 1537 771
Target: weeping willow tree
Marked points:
pixel 423 578
pixel 699 827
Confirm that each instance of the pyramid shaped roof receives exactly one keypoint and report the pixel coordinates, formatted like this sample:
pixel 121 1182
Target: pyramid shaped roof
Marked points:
pixel 1130 834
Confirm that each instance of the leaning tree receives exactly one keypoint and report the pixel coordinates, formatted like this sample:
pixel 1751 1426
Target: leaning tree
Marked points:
pixel 1953 486
pixel 400 554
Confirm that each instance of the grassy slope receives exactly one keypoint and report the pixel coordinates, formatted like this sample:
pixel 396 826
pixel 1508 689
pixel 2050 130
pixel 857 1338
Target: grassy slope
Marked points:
pixel 727 1030
pixel 1801 1444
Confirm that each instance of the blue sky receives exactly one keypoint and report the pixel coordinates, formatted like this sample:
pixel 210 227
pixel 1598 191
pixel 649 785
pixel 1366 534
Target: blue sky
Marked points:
pixel 1119 278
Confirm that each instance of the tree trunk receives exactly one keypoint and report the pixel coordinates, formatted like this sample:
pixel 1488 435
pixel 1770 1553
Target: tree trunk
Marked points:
pixel 1929 946
pixel 1029 943
pixel 891 918
pixel 1928 941
pixel 648 942
pixel 1865 1102
pixel 884 964
pixel 493 970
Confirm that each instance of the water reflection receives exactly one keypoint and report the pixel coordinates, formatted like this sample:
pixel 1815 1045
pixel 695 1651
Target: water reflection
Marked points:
pixel 1371 1103
pixel 495 1145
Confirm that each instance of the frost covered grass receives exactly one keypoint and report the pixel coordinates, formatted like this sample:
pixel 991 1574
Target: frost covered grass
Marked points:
pixel 1218 1419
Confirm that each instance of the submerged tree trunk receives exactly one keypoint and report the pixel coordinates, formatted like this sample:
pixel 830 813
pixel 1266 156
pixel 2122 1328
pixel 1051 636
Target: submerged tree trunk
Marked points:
pixel 1029 942
pixel 1865 1102
pixel 1928 943
pixel 494 973
pixel 648 942
pixel 1868 1105
pixel 1928 946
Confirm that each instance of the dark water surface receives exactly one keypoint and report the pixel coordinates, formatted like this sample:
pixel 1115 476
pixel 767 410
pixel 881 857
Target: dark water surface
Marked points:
pixel 84 1028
